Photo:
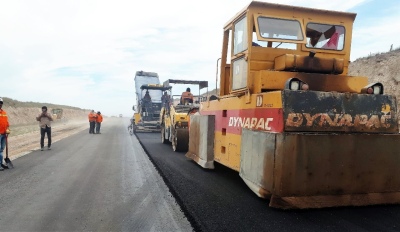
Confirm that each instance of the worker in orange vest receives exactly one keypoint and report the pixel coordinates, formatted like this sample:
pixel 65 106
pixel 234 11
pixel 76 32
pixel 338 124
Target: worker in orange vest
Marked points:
pixel 4 131
pixel 92 121
pixel 187 97
pixel 99 119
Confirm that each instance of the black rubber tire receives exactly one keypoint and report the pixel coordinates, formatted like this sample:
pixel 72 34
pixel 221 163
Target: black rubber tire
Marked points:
pixel 180 140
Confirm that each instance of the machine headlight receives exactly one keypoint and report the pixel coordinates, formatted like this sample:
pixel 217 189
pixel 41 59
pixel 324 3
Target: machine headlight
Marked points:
pixel 374 88
pixel 377 89
pixel 296 84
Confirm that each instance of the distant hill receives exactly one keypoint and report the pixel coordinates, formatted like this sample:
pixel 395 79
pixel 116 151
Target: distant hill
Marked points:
pixel 9 102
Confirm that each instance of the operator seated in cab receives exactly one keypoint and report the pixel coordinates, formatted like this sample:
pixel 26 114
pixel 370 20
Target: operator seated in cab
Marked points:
pixel 147 96
pixel 187 97
pixel 165 99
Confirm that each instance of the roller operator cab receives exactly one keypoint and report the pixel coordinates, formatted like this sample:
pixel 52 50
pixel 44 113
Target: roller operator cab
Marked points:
pixel 176 111
pixel 299 130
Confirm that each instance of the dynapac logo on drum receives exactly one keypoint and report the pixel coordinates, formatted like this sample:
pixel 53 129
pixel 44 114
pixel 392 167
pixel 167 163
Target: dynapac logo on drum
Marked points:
pixel 383 120
pixel 338 120
pixel 251 123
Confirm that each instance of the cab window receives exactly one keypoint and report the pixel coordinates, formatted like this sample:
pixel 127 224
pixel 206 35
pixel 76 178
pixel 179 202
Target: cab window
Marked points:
pixel 282 29
pixel 240 36
pixel 239 74
pixel 325 36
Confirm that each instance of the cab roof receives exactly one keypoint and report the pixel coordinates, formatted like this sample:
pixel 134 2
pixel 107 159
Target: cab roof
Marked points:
pixel 202 84
pixel 288 8
pixel 155 87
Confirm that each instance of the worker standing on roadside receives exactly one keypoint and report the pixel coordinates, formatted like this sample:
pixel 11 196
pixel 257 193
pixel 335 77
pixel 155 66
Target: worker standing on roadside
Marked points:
pixel 44 120
pixel 4 131
pixel 99 119
pixel 92 121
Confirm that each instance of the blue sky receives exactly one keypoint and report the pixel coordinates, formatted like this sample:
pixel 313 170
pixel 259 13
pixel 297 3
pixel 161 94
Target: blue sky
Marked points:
pixel 85 53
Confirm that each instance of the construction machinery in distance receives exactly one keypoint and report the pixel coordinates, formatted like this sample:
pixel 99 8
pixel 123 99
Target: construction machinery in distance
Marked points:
pixel 175 114
pixel 57 113
pixel 149 92
pixel 291 121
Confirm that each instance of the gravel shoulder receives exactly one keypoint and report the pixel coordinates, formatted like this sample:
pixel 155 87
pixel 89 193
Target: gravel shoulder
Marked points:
pixel 25 139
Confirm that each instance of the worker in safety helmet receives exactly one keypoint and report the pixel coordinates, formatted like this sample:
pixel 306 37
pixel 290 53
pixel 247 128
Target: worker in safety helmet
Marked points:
pixel 4 131
pixel 187 97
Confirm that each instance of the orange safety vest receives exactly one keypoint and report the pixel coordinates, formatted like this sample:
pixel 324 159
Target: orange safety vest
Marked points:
pixel 99 118
pixel 3 121
pixel 92 117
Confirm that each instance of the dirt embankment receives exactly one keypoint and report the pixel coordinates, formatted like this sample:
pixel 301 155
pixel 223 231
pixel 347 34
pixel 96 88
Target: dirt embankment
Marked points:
pixel 19 116
pixel 25 133
pixel 23 119
pixel 383 68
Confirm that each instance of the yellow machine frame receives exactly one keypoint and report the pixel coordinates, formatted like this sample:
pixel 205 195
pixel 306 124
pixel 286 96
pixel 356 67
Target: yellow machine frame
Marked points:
pixel 278 137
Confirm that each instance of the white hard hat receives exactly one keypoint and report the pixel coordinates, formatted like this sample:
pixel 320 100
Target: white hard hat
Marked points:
pixel 1 99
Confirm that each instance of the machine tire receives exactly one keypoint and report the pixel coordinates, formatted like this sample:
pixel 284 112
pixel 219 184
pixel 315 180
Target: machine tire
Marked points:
pixel 180 139
pixel 163 139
